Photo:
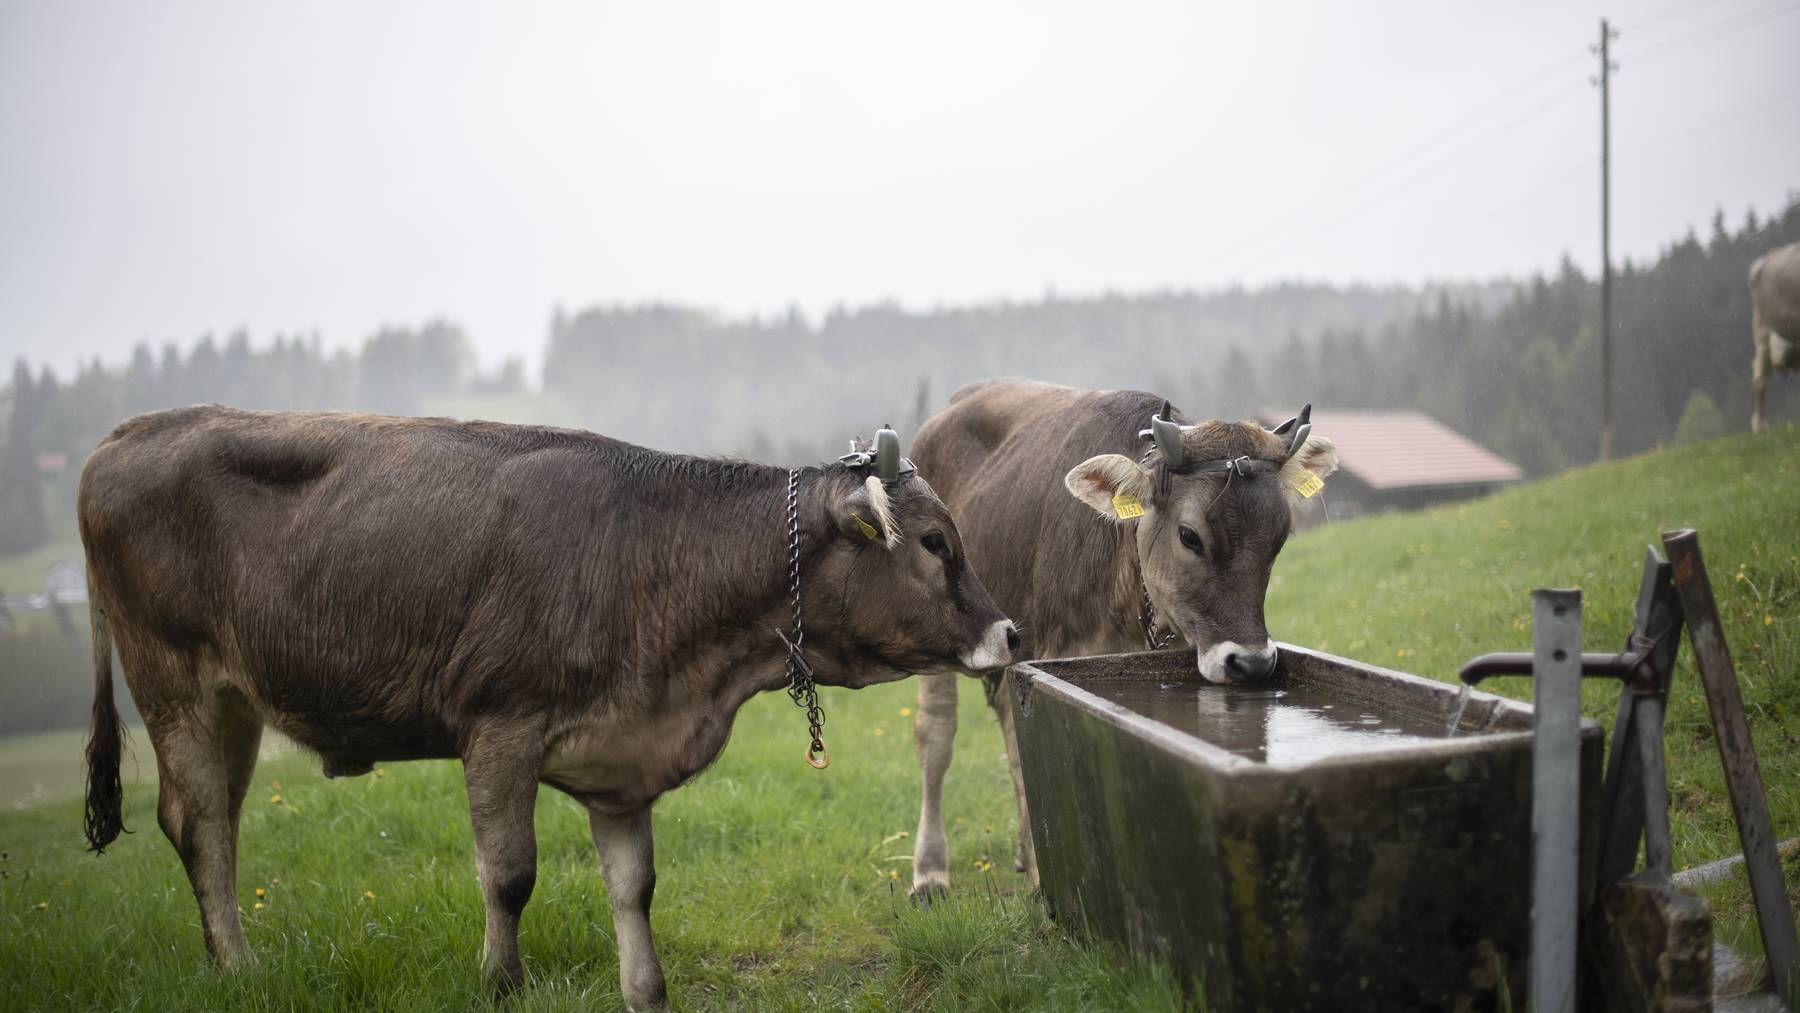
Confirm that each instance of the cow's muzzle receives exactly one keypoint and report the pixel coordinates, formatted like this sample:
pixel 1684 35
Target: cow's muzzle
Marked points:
pixel 998 643
pixel 1231 662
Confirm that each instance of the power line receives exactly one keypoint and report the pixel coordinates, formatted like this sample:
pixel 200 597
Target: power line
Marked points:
pixel 1651 22
pixel 1717 30
pixel 1736 113
pixel 1377 185
pixel 1377 197
pixel 1425 144
pixel 1566 172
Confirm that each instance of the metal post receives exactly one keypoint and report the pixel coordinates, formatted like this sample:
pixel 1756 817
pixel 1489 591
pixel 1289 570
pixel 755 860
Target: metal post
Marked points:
pixel 1555 796
pixel 1743 778
pixel 1607 34
pixel 1647 720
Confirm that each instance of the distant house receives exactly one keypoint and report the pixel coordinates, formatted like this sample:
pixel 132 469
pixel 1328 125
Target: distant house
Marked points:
pixel 1399 461
pixel 66 581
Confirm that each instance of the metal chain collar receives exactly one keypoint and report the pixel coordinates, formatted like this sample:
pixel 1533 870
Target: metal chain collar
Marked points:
pixel 801 688
pixel 1156 641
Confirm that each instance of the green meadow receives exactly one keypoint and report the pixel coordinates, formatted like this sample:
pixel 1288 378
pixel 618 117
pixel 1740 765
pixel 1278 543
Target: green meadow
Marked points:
pixel 780 887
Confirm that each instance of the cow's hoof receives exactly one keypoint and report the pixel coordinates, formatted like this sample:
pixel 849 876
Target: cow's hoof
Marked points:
pixel 503 982
pixel 643 1000
pixel 930 887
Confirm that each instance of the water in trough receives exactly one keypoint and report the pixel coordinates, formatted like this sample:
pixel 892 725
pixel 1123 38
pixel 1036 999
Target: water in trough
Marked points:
pixel 1285 725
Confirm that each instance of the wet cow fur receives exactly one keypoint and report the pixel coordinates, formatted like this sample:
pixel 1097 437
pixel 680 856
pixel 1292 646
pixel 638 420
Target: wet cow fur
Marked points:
pixel 547 606
pixel 1030 469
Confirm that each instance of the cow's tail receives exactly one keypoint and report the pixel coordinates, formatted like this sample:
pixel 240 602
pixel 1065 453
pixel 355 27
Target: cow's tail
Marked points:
pixel 106 738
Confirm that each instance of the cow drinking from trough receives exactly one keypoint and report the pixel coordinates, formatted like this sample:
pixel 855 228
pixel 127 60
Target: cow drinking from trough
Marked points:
pixel 547 606
pixel 1774 322
pixel 1170 531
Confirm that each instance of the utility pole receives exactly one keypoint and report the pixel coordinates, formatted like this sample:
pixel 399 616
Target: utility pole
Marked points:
pixel 1607 34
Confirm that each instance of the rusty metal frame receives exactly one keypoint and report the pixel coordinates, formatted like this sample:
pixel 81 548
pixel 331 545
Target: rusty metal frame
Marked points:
pixel 1743 778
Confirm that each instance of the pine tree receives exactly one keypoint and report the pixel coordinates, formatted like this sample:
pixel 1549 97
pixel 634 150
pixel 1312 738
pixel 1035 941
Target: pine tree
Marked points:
pixel 23 526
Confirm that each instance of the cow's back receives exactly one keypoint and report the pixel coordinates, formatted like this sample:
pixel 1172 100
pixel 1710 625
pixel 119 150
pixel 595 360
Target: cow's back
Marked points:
pixel 374 574
pixel 997 455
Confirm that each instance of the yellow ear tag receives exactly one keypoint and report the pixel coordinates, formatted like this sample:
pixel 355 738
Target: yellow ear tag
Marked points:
pixel 1307 485
pixel 1127 506
pixel 868 529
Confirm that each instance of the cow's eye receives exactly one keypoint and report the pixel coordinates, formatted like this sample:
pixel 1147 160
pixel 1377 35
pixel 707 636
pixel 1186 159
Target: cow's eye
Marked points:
pixel 934 543
pixel 1192 540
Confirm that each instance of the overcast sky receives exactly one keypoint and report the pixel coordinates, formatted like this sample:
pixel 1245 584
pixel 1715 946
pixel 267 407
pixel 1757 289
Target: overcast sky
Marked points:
pixel 174 168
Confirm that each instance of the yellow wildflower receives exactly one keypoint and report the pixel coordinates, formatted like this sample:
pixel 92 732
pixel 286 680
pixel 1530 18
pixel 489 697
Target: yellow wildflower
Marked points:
pixel 906 712
pixel 368 895
pixel 260 892
pixel 259 905
pixel 274 799
pixel 1768 620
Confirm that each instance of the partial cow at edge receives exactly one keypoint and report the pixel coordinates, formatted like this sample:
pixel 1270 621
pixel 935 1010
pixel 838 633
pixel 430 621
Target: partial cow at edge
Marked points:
pixel 1774 322
pixel 547 606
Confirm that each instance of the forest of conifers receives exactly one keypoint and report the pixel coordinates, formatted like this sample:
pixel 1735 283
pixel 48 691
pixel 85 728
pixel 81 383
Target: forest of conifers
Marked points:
pixel 1514 364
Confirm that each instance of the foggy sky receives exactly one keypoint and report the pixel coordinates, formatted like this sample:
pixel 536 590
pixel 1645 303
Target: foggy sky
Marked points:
pixel 176 168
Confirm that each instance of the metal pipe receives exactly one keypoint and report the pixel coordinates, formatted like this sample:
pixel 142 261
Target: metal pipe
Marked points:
pixel 1593 665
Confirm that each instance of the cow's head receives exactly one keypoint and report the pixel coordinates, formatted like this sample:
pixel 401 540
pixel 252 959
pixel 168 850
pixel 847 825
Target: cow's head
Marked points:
pixel 1215 502
pixel 909 600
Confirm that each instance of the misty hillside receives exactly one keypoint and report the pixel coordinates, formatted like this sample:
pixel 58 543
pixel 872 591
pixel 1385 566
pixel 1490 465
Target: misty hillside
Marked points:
pixel 1513 364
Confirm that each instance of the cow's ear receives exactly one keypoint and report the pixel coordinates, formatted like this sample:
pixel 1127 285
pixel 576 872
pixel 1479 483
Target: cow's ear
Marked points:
pixel 1112 484
pixel 867 515
pixel 1304 473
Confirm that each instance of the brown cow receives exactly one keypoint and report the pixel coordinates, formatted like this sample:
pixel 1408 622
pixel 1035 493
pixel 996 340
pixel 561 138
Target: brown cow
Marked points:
pixel 1774 322
pixel 1142 551
pixel 547 606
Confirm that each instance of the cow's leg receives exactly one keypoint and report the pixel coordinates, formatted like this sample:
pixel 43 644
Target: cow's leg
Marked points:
pixel 200 750
pixel 501 772
pixel 934 736
pixel 628 864
pixel 1027 858
pixel 240 749
pixel 1759 371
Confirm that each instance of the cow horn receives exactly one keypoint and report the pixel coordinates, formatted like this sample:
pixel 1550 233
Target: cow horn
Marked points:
pixel 1167 435
pixel 887 454
pixel 1302 424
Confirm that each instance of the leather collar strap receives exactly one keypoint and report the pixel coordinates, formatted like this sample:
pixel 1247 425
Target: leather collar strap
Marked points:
pixel 1243 467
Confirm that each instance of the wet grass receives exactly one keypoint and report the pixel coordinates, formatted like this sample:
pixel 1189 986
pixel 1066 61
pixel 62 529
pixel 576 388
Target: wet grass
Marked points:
pixel 1426 592
pixel 778 888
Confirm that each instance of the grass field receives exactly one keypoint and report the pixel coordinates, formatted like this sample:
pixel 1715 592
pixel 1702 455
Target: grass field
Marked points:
pixel 783 888
pixel 778 888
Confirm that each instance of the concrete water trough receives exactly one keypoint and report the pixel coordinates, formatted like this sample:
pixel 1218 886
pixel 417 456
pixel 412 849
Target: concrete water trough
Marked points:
pixel 1318 842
